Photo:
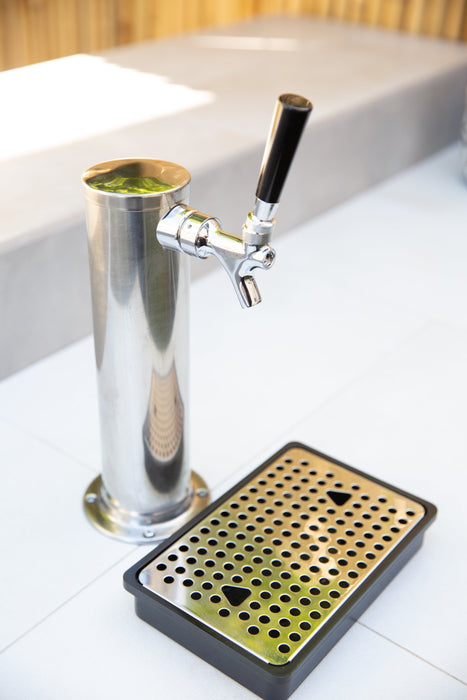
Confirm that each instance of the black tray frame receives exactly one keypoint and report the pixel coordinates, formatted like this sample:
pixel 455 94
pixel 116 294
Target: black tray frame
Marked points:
pixel 266 680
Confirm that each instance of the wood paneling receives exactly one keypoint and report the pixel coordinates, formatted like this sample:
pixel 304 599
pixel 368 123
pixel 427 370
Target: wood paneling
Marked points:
pixel 38 30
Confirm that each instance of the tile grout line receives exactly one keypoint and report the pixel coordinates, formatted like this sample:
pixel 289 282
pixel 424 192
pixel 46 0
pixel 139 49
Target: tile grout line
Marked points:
pixel 328 399
pixel 68 600
pixel 409 651
pixel 275 444
pixel 361 375
pixel 50 445
pixel 135 549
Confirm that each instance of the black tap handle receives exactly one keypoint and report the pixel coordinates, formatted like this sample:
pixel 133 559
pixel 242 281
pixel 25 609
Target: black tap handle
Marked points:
pixel 290 117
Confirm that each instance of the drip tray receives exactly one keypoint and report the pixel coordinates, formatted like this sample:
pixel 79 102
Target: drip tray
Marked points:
pixel 265 581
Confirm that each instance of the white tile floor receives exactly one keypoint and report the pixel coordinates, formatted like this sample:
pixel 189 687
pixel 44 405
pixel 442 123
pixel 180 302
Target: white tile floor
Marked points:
pixel 359 350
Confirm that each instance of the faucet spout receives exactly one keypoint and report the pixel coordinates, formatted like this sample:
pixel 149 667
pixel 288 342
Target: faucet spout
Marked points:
pixel 190 231
pixel 239 271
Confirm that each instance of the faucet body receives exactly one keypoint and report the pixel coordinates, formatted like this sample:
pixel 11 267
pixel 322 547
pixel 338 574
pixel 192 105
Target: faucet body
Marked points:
pixel 187 230
pixel 140 233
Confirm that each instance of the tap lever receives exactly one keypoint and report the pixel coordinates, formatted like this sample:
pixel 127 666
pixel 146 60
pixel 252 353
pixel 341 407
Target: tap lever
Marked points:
pixel 288 122
pixel 290 117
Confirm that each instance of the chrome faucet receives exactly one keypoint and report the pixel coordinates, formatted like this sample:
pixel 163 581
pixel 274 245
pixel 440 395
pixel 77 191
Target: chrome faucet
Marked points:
pixel 189 231
pixel 138 223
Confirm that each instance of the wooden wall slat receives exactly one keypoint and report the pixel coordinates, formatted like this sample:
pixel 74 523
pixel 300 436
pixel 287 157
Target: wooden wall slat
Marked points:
pixel 38 30
pixel 337 9
pixel 371 11
pixel 192 14
pixel 320 7
pixel 453 16
pixel 15 50
pixel 391 14
pixel 66 27
pixel 413 15
pixel 354 10
pixel 432 21
pixel 37 33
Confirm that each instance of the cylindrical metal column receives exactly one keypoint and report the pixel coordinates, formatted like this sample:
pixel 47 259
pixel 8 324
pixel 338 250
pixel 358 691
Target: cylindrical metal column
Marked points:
pixel 140 316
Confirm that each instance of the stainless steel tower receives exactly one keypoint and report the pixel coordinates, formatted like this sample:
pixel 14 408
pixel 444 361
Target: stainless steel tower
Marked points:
pixel 138 225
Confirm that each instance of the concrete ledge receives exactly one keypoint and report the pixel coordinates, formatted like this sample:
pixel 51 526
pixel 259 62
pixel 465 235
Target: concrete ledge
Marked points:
pixel 382 102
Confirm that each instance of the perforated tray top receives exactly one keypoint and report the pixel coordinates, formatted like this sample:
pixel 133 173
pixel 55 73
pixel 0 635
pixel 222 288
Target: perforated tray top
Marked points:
pixel 269 566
